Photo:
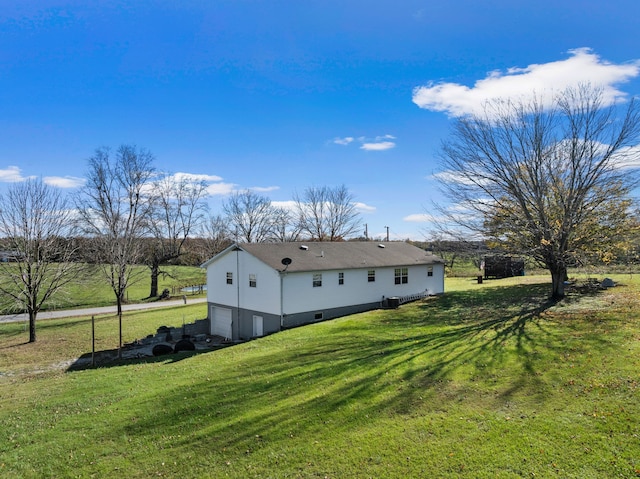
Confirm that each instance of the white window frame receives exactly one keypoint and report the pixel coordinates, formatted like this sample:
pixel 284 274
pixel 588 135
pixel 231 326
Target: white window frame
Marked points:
pixel 401 275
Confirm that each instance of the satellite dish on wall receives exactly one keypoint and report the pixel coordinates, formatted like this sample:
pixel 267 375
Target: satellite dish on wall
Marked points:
pixel 286 261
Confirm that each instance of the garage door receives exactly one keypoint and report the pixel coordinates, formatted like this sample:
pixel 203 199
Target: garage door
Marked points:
pixel 221 322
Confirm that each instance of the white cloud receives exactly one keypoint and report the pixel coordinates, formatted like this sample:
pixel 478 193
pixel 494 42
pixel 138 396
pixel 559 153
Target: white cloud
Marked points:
pixel 12 174
pixel 364 208
pixel 64 181
pixel 215 187
pixel 264 189
pixel 583 66
pixel 419 218
pixel 343 141
pixel 197 177
pixel 223 189
pixel 288 205
pixel 455 177
pixel 378 143
pixel 220 189
pixel 380 146
pixel 291 205
pixel 627 158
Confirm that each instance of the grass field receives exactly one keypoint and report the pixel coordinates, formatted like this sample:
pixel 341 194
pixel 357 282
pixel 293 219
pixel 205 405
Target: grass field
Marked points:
pixel 487 381
pixel 93 290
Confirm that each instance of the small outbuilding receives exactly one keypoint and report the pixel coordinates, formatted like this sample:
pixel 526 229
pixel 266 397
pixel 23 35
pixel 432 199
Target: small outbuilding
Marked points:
pixel 255 289
pixel 501 266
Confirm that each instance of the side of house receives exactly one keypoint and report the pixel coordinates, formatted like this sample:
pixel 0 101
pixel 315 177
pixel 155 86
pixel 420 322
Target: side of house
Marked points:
pixel 257 289
pixel 243 295
pixel 326 294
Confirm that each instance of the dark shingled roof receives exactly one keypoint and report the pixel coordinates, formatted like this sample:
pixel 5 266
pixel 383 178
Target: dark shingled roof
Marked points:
pixel 323 256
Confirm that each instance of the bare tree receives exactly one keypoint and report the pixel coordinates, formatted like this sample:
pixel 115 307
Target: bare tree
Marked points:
pixel 214 237
pixel 327 214
pixel 178 208
pixel 550 182
pixel 312 211
pixel 285 228
pixel 114 211
pixel 35 222
pixel 250 216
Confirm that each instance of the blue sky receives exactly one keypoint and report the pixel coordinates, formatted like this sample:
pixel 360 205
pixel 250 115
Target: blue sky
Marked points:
pixel 277 96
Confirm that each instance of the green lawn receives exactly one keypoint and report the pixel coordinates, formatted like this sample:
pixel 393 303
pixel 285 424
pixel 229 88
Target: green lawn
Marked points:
pixel 95 291
pixel 486 381
pixel 92 289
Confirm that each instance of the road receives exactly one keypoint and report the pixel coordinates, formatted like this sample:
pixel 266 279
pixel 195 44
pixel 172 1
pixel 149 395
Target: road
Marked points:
pixel 14 318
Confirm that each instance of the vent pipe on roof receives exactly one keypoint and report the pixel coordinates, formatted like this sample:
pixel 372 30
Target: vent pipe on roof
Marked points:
pixel 381 246
pixel 304 247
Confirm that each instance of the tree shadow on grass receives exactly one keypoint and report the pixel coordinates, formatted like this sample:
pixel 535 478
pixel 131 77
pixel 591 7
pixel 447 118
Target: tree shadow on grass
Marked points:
pixel 13 334
pixel 105 359
pixel 485 346
pixel 13 338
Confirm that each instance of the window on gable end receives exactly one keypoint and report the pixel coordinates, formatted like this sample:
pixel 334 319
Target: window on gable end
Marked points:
pixel 371 275
pixel 252 281
pixel 340 278
pixel 317 280
pixel 229 278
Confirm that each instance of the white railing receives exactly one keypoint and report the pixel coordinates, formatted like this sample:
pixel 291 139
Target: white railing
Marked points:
pixel 414 297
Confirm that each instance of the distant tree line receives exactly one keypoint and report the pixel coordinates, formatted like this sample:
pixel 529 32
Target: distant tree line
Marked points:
pixel 128 214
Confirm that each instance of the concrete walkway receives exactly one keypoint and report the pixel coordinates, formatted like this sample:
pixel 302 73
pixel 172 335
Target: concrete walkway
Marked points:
pixel 14 318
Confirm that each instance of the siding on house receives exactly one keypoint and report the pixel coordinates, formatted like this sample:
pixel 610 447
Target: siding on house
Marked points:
pixel 300 295
pixel 264 297
pixel 281 285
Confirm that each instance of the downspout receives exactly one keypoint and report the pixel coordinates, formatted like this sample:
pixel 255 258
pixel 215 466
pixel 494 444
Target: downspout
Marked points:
pixel 286 262
pixel 237 293
pixel 281 274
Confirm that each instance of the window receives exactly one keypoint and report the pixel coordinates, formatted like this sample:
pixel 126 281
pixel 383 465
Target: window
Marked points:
pixel 317 280
pixel 430 271
pixel 318 316
pixel 371 275
pixel 229 278
pixel 252 281
pixel 401 275
pixel 340 278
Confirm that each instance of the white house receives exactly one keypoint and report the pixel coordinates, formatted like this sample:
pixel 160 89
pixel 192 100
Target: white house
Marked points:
pixel 258 288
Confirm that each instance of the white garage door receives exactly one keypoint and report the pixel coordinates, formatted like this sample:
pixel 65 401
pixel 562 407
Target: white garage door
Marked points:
pixel 221 322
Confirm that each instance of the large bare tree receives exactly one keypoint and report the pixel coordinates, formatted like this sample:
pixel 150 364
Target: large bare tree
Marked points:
pixel 35 227
pixel 285 228
pixel 250 216
pixel 327 214
pixel 114 210
pixel 214 236
pixel 178 208
pixel 549 181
